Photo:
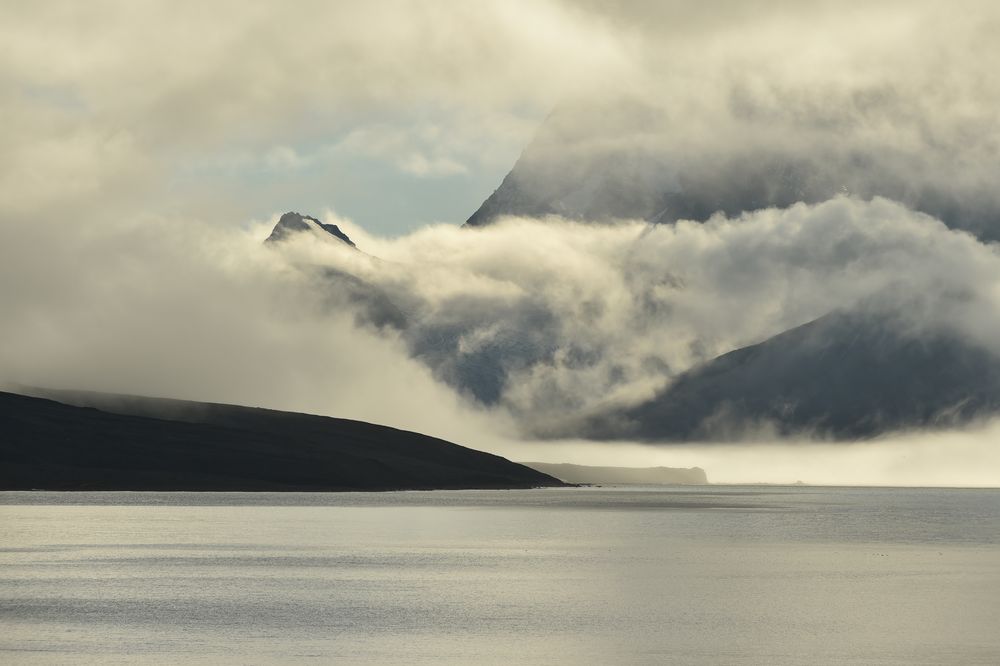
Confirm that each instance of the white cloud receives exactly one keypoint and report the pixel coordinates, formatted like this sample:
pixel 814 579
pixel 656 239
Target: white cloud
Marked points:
pixel 581 312
pixel 426 150
pixel 420 165
pixel 966 458
pixel 113 277
pixel 284 158
pixel 206 315
pixel 584 313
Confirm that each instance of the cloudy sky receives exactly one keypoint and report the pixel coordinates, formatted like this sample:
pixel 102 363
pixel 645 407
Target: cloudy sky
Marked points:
pixel 397 114
pixel 148 147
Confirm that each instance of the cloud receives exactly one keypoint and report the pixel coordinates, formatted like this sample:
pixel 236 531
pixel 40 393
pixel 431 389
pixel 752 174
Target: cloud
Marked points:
pixel 283 157
pixel 550 317
pixel 782 104
pixel 125 264
pixel 954 458
pixel 543 317
pixel 422 151
pixel 173 85
pixel 102 107
pixel 207 315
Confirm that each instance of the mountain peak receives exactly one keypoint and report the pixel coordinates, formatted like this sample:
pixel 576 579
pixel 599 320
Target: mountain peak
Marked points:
pixel 291 223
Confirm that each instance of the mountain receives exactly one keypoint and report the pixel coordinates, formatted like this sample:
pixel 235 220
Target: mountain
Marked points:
pixel 372 305
pixel 110 442
pixel 292 223
pixel 684 476
pixel 625 159
pixel 843 376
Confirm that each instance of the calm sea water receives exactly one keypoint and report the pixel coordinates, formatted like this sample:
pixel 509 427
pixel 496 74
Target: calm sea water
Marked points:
pixel 727 575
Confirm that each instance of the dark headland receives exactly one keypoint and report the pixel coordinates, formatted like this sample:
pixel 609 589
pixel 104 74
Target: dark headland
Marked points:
pixel 107 442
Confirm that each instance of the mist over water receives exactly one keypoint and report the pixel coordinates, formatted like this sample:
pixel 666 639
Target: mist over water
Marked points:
pixel 945 459
pixel 579 318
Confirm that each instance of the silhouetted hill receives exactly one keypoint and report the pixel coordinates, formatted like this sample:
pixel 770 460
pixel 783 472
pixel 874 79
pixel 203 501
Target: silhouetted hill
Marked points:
pixel 843 376
pixel 154 444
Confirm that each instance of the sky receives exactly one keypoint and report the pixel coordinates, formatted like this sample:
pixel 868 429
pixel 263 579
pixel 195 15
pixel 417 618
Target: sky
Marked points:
pixel 150 146
pixel 394 113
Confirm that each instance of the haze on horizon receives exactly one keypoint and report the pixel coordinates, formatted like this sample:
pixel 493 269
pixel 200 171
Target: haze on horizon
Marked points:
pixel 150 148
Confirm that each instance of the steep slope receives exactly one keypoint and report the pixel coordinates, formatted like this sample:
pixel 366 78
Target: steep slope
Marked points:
pixel 293 223
pixel 372 305
pixel 624 159
pixel 151 444
pixel 843 376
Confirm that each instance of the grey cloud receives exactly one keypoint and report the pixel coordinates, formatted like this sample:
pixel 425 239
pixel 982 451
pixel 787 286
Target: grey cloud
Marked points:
pixel 549 319
pixel 538 320
pixel 116 277
pixel 131 107
pixel 183 84
pixel 205 314
pixel 774 106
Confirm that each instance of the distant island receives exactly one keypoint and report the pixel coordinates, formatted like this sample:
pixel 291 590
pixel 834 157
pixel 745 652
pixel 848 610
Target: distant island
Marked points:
pixel 112 442
pixel 686 476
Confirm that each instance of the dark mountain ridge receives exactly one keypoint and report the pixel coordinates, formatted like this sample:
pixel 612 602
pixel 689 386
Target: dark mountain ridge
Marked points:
pixel 292 223
pixel 845 376
pixel 624 159
pixel 111 442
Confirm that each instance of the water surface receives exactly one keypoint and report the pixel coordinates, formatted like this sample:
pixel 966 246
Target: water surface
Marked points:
pixel 736 575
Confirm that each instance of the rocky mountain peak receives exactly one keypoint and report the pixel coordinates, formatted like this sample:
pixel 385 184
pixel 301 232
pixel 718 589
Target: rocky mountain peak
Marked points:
pixel 291 223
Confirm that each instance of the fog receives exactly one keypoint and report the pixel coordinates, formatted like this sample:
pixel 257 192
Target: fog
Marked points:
pixel 585 313
pixel 228 112
pixel 957 458
pixel 212 316
pixel 149 149
pixel 616 312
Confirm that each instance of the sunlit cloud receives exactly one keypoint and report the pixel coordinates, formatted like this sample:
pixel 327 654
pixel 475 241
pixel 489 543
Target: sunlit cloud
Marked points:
pixel 139 179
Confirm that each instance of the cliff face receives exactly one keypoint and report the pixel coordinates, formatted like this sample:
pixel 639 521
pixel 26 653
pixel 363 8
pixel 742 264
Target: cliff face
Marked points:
pixel 133 443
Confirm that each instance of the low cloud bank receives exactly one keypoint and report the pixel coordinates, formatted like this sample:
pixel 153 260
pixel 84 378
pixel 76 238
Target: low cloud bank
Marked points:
pixel 121 271
pixel 551 317
pixel 179 309
pixel 954 458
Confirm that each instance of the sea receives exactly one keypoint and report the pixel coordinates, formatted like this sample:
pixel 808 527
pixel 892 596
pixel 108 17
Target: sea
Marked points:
pixel 594 575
